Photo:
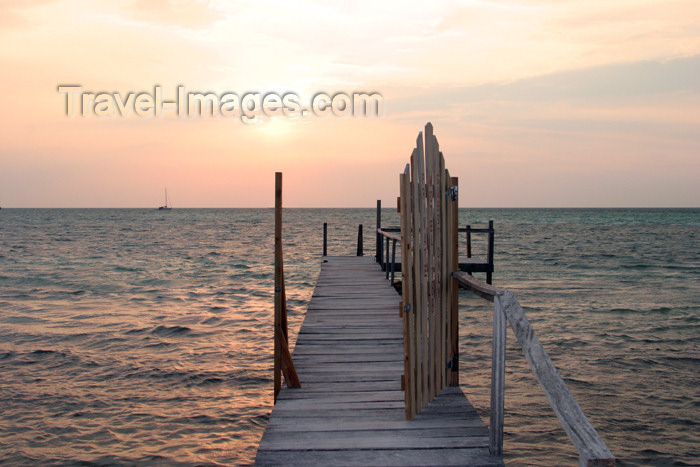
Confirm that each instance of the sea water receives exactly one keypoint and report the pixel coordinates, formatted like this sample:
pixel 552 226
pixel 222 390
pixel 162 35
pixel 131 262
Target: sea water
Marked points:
pixel 136 336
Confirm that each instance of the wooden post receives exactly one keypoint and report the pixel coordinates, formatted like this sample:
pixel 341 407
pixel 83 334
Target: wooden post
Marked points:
pixel 454 287
pixel 325 239
pixel 387 260
pixel 489 274
pixel 278 283
pixel 379 237
pixel 283 363
pixel 407 293
pixel 498 376
pixel 393 260
pixel 359 241
pixel 469 241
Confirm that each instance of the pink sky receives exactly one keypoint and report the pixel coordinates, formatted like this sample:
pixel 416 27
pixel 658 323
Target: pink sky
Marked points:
pixel 535 103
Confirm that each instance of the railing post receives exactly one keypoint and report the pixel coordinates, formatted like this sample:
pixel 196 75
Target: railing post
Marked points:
pixel 393 260
pixel 386 261
pixel 498 376
pixel 325 239
pixel 379 237
pixel 489 274
pixel 469 241
pixel 359 241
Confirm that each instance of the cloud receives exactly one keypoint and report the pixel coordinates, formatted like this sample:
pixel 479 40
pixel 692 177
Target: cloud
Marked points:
pixel 617 83
pixel 13 13
pixel 178 13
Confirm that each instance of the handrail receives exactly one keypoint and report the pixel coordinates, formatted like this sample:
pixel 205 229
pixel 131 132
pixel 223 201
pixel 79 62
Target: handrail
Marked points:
pixel 387 233
pixel 591 448
pixel 395 238
pixel 460 229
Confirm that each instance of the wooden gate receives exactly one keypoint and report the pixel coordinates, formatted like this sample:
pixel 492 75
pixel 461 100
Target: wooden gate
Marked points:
pixel 428 206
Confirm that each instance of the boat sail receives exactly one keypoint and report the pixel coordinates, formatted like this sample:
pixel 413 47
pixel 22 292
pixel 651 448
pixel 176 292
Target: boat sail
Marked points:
pixel 165 207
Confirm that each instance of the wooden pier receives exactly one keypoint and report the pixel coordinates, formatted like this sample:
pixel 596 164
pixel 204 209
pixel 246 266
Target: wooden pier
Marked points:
pixel 374 376
pixel 350 410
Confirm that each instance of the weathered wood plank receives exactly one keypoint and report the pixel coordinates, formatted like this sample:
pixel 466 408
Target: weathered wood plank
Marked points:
pixel 387 457
pixel 498 379
pixel 324 424
pixel 368 440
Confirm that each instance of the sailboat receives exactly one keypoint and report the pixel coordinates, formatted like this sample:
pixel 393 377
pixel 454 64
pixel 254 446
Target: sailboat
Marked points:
pixel 165 207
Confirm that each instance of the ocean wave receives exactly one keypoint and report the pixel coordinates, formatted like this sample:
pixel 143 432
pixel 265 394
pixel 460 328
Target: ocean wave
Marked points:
pixel 150 334
pixel 170 331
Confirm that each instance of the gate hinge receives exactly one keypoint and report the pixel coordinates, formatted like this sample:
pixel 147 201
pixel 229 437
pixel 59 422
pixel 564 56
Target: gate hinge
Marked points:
pixel 452 363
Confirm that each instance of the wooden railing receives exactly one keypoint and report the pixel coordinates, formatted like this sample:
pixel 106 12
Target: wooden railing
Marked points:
pixel 386 255
pixel 591 448
pixel 389 235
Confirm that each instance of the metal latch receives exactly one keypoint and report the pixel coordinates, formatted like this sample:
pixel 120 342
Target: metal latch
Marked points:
pixel 452 192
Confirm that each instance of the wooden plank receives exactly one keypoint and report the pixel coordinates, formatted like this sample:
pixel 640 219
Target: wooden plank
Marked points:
pixel 422 277
pixel 386 457
pixel 454 286
pixel 369 440
pixel 431 262
pixel 477 286
pixel 498 378
pixel 445 272
pixel 352 423
pixel 348 396
pixel 417 271
pixel 407 291
pixel 441 270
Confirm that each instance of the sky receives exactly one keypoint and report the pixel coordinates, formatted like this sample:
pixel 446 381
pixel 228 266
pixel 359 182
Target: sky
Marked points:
pixel 561 103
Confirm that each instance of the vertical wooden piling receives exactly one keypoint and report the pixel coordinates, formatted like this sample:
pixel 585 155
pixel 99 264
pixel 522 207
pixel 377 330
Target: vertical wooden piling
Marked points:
pixel 278 283
pixel 325 239
pixel 283 364
pixel 360 251
pixel 378 253
pixel 469 241
pixel 489 274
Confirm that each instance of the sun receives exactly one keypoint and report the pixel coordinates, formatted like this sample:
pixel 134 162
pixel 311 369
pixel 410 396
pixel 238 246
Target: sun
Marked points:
pixel 277 128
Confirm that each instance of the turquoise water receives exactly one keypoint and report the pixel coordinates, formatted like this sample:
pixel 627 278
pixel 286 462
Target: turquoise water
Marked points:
pixel 144 337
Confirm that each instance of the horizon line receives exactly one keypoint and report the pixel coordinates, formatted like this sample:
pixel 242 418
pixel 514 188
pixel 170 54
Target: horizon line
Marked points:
pixel 349 207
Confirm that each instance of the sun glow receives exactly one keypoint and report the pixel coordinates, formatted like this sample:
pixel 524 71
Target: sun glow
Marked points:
pixel 515 87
